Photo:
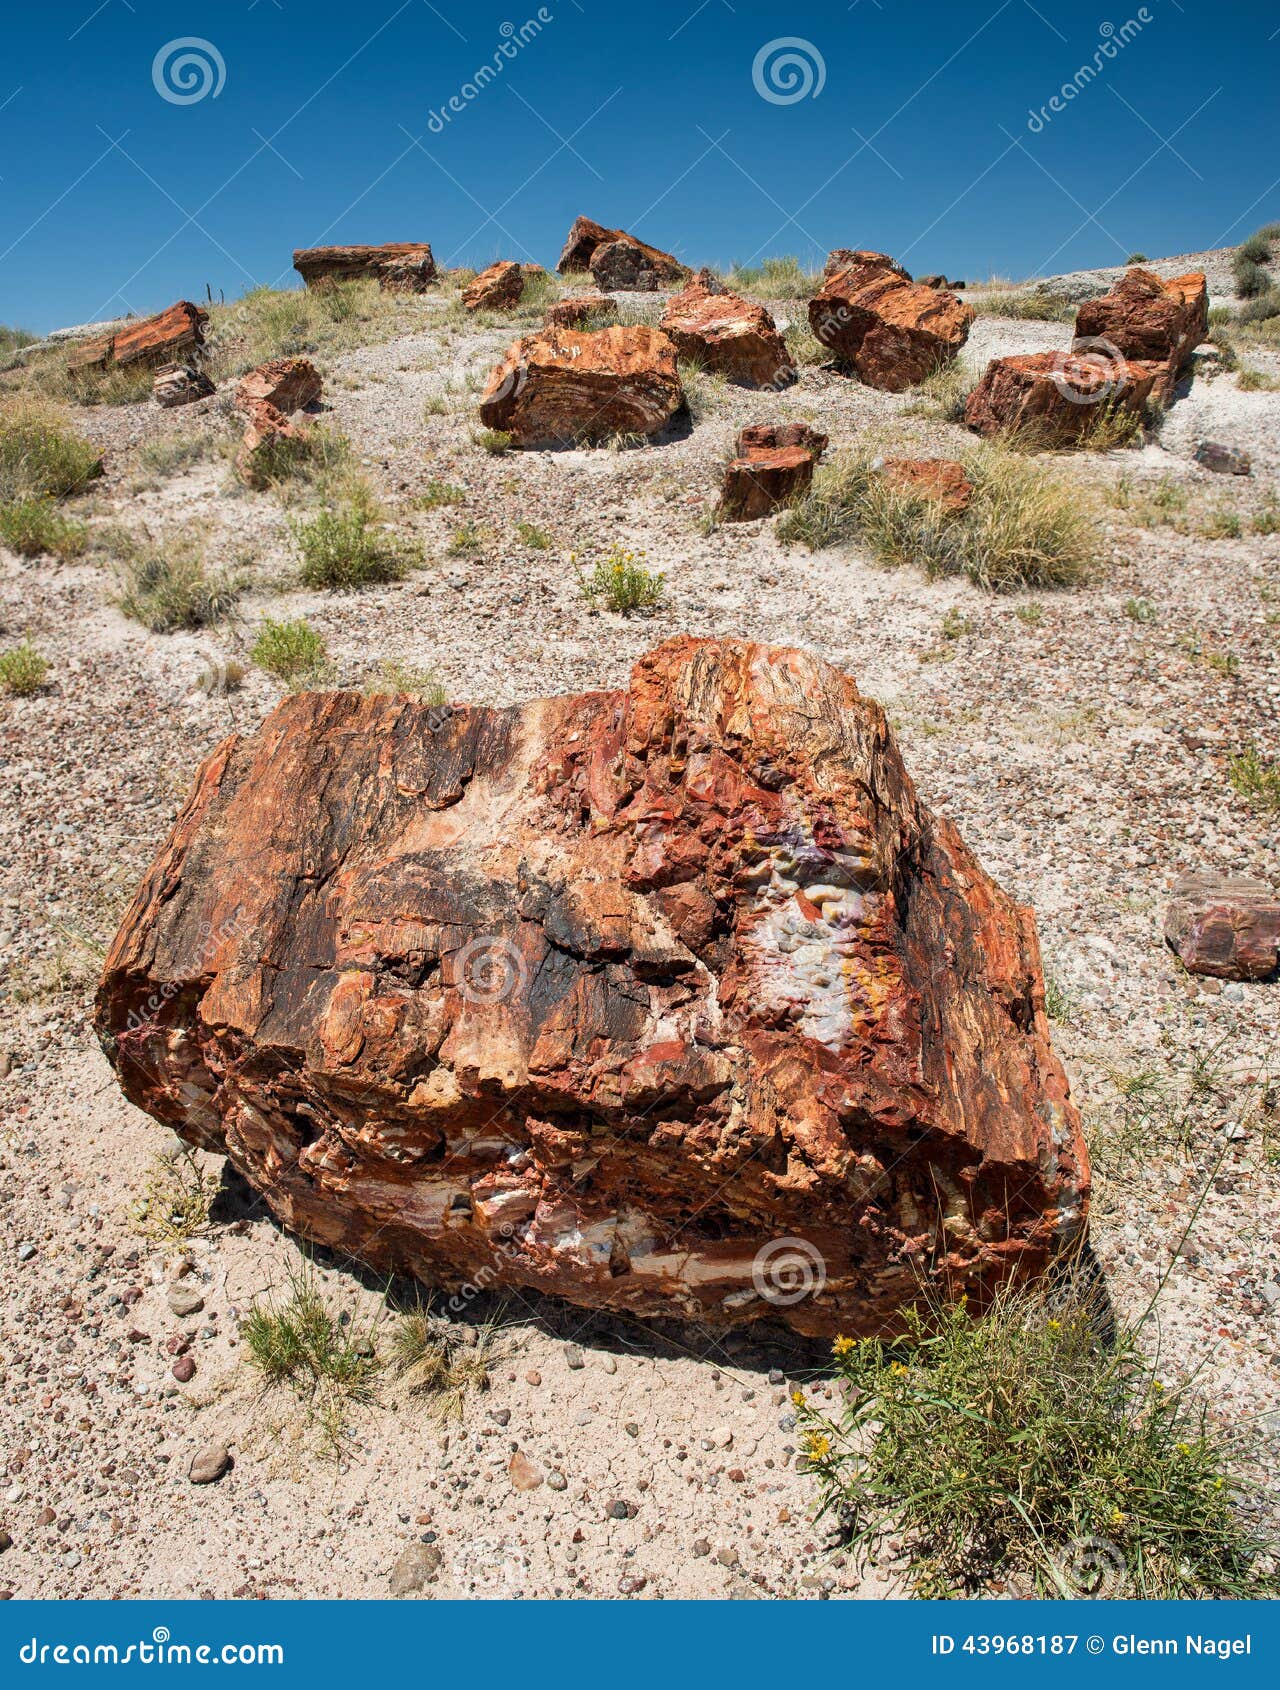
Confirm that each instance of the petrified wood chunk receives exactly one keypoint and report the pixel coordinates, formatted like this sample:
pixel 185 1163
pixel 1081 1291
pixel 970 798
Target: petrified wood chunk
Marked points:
pixel 497 288
pixel 580 310
pixel 773 467
pixel 180 384
pixel 162 339
pixel 559 386
pixel 266 396
pixel 587 236
pixel 942 479
pixel 728 334
pixel 673 998
pixel 891 332
pixel 1225 925
pixel 1150 320
pixel 399 267
pixel 848 258
pixel 1058 398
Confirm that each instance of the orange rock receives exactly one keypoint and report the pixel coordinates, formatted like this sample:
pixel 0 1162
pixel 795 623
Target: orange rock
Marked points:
pixel 1152 321
pixel 891 332
pixel 490 1047
pixel 580 310
pixel 773 467
pixel 935 478
pixel 866 263
pixel 587 236
pixel 496 289
pixel 162 339
pixel 1058 398
pixel 287 383
pixel 729 335
pixel 180 384
pixel 559 386
pixel 399 267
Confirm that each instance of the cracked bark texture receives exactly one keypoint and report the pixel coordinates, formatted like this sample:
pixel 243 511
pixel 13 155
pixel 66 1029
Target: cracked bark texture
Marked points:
pixel 627 997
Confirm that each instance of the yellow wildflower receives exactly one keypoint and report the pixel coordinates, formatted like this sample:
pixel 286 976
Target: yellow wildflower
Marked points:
pixel 844 1346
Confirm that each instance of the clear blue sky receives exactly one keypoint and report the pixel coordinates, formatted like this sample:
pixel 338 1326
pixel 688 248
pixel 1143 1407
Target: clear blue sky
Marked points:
pixel 902 125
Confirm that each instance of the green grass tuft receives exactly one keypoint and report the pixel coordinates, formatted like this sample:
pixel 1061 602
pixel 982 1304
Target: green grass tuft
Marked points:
pixel 621 583
pixel 22 670
pixel 347 547
pixel 35 527
pixel 292 651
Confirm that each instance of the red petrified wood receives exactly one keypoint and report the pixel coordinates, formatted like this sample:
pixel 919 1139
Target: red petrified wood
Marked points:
pixel 1151 321
pixel 559 386
pixel 772 468
pixel 729 335
pixel 496 289
pixel 170 337
pixel 891 332
pixel 1058 398
pixel 942 479
pixel 1225 925
pixel 399 267
pixel 673 999
pixel 587 237
pixel 580 311
pixel 266 397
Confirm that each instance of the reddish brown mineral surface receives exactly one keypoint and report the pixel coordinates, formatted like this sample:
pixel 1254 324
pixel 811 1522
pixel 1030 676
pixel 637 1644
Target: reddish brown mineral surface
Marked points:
pixel 674 999
pixel 1225 925
pixel 773 466
pixel 728 335
pixel 934 478
pixel 496 289
pixel 1058 397
pixel 890 331
pixel 1151 321
pixel 587 236
pixel 399 267
pixel 265 397
pixel 169 337
pixel 559 386
pixel 580 310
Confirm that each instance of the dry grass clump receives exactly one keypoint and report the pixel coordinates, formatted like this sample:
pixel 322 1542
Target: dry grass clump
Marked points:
pixel 403 680
pixel 167 586
pixel 308 322
pixel 1023 527
pixel 293 651
pixel 944 393
pixel 22 670
pixel 1039 305
pixel 348 545
pixel 1018 1446
pixel 436 1360
pixel 35 527
pixel 774 278
pixel 41 454
pixel 177 1196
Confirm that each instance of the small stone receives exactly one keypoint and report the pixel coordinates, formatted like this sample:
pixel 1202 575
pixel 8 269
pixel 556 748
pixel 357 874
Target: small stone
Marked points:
pixel 727 1557
pixel 609 1364
pixel 26 1251
pixel 722 1437
pixel 533 1377
pixel 736 1475
pixel 183 1370
pixel 1223 460
pixel 630 1584
pixel 556 1480
pixel 701 1546
pixel 500 1416
pixel 631 1429
pixel 523 1473
pixel 619 1510
pixel 6 1542
pixel 184 1300
pixel 574 1357
pixel 209 1464
pixel 416 1566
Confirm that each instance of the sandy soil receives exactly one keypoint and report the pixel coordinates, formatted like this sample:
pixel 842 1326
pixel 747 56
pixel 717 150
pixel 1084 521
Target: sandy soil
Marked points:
pixel 1082 752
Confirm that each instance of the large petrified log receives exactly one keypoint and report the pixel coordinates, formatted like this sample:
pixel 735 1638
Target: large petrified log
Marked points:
pixel 1059 398
pixel 399 266
pixel 674 999
pixel 728 334
pixel 497 288
pixel 559 386
pixel 1150 320
pixel 890 331
pixel 772 466
pixel 587 238
pixel 169 337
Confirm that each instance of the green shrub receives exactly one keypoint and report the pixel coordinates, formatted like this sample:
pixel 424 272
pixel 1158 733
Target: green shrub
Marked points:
pixel 35 527
pixel 531 535
pixel 346 547
pixel 1014 1446
pixel 1262 308
pixel 1256 250
pixel 168 587
pixel 41 455
pixel 438 493
pixel 402 679
pixel 495 441
pixel 1136 258
pixel 1022 526
pixel 1251 279
pixel 621 582
pixel 289 650
pixel 22 670
pixel 1255 778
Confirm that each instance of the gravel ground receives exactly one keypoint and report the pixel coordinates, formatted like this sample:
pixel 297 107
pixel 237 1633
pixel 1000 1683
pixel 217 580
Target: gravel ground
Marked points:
pixel 1082 752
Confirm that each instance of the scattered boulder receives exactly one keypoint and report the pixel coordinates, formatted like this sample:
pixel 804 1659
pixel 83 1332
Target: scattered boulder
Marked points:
pixel 496 289
pixel 209 1464
pixel 266 396
pixel 942 479
pixel 699 934
pixel 560 386
pixel 399 267
pixel 626 267
pixel 729 335
pixel 1150 320
pixel 889 331
pixel 1223 460
pixel 587 236
pixel 180 384
pixel 162 339
pixel 417 1566
pixel 773 467
pixel 581 310
pixel 1057 397
pixel 1224 925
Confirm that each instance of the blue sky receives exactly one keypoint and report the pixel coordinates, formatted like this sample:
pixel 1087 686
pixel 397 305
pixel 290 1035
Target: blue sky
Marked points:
pixel 901 125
